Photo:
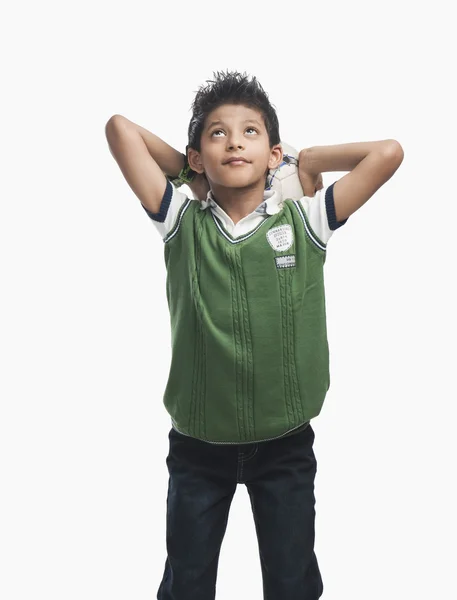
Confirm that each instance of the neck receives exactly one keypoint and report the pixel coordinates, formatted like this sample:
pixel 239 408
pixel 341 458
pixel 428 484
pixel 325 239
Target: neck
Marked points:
pixel 238 202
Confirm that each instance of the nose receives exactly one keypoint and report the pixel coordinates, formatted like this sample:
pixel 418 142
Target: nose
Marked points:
pixel 231 146
pixel 233 142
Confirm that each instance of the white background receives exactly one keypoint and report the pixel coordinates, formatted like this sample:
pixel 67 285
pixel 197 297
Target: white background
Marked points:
pixel 84 339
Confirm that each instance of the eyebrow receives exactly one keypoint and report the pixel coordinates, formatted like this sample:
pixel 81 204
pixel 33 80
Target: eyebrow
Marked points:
pixel 222 123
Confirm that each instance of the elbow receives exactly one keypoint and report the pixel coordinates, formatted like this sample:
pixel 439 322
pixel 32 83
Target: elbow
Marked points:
pixel 394 150
pixel 113 121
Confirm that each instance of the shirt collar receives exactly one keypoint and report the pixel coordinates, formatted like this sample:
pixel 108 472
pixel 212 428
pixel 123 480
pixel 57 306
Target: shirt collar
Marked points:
pixel 270 205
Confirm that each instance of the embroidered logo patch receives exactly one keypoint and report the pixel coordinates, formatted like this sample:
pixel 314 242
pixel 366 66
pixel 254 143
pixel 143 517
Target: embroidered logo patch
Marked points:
pixel 282 262
pixel 281 238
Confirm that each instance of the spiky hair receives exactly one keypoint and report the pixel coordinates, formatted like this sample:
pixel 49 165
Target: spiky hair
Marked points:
pixel 231 88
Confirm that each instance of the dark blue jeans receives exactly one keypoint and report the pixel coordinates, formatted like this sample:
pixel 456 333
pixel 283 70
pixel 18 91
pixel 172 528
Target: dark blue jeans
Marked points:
pixel 279 475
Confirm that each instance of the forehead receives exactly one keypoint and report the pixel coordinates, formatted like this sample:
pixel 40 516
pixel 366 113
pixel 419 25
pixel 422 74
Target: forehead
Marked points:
pixel 233 114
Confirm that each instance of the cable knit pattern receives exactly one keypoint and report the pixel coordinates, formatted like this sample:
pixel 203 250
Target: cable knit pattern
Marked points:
pixel 249 367
pixel 198 393
pixel 285 350
pixel 291 358
pixel 249 342
pixel 238 350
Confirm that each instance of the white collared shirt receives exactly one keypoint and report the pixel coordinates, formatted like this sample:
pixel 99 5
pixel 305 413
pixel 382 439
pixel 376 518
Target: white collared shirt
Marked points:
pixel 320 210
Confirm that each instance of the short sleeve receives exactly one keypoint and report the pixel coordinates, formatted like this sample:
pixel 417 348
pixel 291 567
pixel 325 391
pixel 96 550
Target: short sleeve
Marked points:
pixel 321 214
pixel 170 206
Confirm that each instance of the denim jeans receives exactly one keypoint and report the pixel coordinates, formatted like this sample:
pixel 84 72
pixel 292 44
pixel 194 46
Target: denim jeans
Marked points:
pixel 279 475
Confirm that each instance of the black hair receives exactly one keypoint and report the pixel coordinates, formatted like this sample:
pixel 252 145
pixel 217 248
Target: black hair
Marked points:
pixel 231 88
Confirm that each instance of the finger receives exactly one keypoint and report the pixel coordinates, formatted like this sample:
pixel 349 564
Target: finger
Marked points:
pixel 319 183
pixel 306 184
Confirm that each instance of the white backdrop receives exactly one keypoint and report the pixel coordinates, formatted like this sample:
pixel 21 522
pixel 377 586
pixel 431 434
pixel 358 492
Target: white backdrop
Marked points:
pixel 84 338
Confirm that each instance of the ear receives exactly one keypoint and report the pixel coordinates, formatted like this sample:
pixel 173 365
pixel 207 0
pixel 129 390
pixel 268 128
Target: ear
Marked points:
pixel 276 156
pixel 193 156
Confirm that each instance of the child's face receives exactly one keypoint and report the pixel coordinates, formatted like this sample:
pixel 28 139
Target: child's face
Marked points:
pixel 240 132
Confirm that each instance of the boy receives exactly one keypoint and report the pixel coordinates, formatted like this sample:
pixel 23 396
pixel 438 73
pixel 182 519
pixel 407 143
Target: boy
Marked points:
pixel 250 363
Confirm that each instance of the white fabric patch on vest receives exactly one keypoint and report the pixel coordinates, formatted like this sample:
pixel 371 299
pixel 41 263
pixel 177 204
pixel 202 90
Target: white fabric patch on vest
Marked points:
pixel 281 238
pixel 282 262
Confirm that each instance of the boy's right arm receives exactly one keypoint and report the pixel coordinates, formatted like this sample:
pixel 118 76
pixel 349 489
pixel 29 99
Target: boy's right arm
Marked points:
pixel 133 148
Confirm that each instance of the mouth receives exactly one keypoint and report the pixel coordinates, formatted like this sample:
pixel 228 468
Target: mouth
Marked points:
pixel 236 160
pixel 236 163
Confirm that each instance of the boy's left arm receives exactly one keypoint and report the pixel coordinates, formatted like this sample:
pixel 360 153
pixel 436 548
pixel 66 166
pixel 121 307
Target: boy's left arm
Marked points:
pixel 371 164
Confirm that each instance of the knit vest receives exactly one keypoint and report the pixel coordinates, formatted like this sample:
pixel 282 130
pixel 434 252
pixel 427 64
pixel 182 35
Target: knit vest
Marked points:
pixel 250 357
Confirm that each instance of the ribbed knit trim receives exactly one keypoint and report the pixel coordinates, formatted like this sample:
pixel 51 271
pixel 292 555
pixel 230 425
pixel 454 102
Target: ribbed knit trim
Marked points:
pixel 164 205
pixel 330 207
pixel 241 238
pixel 294 431
pixel 177 225
pixel 312 236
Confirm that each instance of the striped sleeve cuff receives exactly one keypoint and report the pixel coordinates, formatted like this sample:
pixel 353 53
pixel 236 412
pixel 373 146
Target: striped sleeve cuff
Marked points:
pixel 164 205
pixel 330 207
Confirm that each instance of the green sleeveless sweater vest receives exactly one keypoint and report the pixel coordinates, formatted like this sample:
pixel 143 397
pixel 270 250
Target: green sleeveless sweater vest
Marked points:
pixel 250 357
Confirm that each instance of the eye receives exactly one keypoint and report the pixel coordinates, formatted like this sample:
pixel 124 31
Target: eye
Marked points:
pixel 217 130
